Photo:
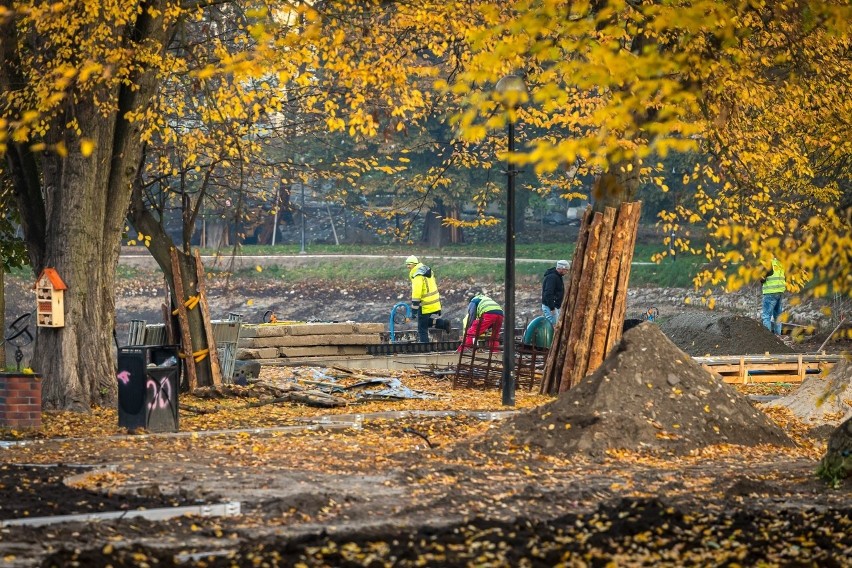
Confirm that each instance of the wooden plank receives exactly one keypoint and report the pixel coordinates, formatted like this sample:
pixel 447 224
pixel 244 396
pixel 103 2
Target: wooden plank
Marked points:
pixel 579 314
pixel 583 347
pixel 605 308
pixel 215 368
pixel 620 301
pixel 183 321
pixel 556 355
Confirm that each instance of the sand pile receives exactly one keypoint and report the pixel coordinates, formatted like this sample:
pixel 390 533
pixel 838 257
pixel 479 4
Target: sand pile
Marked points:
pixel 821 401
pixel 648 395
pixel 705 333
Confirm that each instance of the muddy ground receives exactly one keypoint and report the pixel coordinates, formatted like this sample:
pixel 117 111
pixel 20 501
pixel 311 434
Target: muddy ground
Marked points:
pixel 142 297
pixel 640 477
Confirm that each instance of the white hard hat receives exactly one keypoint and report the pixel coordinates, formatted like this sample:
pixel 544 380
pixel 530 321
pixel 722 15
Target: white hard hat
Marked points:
pixel 412 260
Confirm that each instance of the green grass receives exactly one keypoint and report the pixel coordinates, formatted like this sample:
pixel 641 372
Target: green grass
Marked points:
pixel 553 251
pixel 666 274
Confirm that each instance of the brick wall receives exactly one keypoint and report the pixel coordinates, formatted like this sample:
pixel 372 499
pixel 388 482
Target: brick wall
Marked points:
pixel 20 401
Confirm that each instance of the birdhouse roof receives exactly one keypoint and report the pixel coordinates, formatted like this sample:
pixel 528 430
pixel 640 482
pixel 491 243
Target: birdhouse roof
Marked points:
pixel 54 278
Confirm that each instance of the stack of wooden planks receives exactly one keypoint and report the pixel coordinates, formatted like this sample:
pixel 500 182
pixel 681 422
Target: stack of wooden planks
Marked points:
pixel 270 341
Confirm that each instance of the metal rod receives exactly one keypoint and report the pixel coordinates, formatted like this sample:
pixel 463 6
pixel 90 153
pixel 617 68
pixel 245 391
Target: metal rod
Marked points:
pixel 508 383
pixel 302 250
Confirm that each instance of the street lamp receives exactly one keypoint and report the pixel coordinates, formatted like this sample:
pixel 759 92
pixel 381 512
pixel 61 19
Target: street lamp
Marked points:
pixel 512 92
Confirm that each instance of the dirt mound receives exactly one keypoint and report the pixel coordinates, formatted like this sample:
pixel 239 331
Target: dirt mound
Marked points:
pixel 699 334
pixel 647 396
pixel 821 400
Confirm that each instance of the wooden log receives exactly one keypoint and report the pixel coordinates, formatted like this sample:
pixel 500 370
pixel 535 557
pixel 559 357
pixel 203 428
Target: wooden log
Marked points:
pixel 579 314
pixel 167 324
pixel 556 355
pixel 597 352
pixel 215 368
pixel 593 297
pixel 620 299
pixel 183 321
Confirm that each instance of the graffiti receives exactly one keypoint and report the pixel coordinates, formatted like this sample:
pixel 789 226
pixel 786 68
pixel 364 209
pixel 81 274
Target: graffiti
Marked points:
pixel 124 377
pixel 159 393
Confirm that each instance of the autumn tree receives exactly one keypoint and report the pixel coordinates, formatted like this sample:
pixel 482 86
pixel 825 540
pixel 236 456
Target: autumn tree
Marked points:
pixel 71 75
pixel 758 86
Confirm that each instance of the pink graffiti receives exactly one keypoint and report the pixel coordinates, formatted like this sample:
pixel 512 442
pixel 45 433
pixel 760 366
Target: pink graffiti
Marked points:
pixel 124 377
pixel 161 391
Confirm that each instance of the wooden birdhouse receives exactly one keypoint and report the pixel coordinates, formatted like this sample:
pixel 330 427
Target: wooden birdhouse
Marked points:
pixel 50 303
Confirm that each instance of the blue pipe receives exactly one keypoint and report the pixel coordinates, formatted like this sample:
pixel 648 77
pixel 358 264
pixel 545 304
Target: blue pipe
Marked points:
pixel 391 322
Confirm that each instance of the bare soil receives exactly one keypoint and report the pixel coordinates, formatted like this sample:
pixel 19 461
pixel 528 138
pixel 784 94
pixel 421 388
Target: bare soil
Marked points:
pixel 648 462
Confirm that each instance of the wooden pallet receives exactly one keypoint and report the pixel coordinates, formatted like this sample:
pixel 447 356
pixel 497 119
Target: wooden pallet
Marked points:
pixel 748 369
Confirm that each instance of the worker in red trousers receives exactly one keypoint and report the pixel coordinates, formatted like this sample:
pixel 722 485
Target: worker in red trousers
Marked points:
pixel 483 314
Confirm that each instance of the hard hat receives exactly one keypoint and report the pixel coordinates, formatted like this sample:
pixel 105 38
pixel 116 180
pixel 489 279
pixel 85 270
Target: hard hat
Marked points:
pixel 412 260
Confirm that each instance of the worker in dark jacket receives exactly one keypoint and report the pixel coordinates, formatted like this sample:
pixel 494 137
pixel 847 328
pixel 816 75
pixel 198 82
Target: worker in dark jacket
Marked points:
pixel 483 314
pixel 552 291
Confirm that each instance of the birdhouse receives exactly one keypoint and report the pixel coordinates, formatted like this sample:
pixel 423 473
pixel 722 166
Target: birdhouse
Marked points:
pixel 50 303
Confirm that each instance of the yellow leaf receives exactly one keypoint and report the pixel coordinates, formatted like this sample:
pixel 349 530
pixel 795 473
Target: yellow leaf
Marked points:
pixel 87 146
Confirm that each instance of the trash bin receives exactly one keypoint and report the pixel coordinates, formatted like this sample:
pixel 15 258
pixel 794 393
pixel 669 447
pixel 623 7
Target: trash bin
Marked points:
pixel 148 380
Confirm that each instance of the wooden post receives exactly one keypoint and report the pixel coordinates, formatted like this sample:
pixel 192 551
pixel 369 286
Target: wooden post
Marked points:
pixel 556 354
pixel 186 339
pixel 597 351
pixel 620 301
pixel 579 315
pixel 215 368
pixel 593 297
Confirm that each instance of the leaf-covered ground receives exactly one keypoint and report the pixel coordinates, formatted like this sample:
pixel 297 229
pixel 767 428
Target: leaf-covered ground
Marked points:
pixel 360 486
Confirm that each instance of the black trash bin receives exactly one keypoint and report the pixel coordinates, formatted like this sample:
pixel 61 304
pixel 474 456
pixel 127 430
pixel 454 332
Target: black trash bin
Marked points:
pixel 148 380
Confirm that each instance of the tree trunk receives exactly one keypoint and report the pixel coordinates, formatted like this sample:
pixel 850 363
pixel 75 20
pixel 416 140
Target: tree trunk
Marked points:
pixel 75 208
pixel 3 315
pixel 435 233
pixel 201 373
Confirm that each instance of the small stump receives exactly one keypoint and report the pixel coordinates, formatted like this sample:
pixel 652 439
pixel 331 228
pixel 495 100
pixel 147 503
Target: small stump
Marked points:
pixel 20 400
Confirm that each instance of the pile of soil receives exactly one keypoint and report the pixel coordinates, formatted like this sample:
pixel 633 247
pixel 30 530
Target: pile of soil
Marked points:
pixel 647 396
pixel 705 333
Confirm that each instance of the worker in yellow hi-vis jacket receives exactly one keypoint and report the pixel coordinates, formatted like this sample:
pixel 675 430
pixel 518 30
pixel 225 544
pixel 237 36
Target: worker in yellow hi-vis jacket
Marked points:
pixel 774 286
pixel 425 299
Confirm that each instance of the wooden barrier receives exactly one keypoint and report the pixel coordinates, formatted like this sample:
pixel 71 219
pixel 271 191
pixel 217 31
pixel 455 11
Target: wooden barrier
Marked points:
pixel 748 369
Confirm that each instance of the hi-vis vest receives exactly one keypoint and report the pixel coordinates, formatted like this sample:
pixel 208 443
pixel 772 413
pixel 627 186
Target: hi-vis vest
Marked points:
pixel 775 282
pixel 424 290
pixel 486 304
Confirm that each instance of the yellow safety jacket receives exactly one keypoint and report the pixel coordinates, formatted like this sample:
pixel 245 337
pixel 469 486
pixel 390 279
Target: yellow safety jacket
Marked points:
pixel 424 290
pixel 776 281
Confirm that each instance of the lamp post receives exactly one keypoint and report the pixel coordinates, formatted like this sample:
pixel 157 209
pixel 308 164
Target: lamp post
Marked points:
pixel 512 91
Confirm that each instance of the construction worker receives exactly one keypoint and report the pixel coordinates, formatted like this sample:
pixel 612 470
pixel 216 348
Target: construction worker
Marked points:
pixel 552 291
pixel 425 299
pixel 483 314
pixel 774 286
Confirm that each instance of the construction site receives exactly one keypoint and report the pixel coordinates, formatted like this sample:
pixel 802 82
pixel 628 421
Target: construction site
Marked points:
pixel 338 440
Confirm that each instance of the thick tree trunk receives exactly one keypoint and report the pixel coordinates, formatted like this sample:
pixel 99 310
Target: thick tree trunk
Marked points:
pixel 75 207
pixel 435 233
pixel 3 315
pixel 85 215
